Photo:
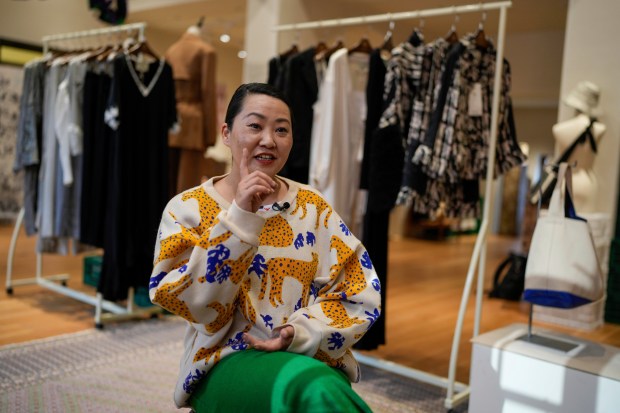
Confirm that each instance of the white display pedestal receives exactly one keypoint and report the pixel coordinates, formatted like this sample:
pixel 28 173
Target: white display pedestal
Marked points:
pixel 511 375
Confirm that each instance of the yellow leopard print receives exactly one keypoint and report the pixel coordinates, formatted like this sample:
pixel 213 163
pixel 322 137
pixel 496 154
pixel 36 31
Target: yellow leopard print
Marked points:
pixel 354 279
pixel 332 362
pixel 338 314
pixel 224 315
pixel 206 353
pixel 279 268
pixel 305 197
pixel 177 243
pixel 167 296
pixel 209 209
pixel 277 232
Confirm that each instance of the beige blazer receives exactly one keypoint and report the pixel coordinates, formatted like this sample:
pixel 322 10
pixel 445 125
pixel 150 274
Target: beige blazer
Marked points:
pixel 193 68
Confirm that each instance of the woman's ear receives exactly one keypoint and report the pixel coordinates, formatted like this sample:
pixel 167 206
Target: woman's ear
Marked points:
pixel 225 134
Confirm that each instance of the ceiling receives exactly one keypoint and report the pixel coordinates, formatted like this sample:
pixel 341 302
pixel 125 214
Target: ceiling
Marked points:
pixel 172 17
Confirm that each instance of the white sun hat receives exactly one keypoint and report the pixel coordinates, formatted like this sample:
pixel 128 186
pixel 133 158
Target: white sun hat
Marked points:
pixel 584 97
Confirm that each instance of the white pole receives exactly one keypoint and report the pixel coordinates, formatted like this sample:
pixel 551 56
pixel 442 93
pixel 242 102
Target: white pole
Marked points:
pixel 486 214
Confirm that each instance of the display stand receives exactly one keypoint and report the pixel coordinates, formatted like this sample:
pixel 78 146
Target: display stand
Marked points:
pixel 479 253
pixel 512 374
pixel 114 311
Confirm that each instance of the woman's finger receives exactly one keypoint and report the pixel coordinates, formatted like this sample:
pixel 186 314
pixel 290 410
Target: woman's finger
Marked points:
pixel 243 164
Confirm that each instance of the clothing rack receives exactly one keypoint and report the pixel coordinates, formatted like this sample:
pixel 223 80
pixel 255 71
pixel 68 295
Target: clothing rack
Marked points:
pixel 479 253
pixel 115 311
pixel 126 28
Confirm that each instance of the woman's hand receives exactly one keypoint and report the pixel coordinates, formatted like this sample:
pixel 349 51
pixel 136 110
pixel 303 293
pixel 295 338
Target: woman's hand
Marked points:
pixel 253 187
pixel 280 342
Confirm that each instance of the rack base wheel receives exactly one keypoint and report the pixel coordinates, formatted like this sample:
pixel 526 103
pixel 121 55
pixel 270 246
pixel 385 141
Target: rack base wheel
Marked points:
pixel 99 326
pixel 9 290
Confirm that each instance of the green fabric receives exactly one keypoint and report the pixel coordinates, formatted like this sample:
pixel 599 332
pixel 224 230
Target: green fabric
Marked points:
pixel 254 381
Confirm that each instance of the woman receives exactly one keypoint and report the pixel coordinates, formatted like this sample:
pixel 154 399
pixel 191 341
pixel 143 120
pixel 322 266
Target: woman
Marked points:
pixel 274 286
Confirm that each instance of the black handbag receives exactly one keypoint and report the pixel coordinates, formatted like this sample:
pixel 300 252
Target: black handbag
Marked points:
pixel 543 189
pixel 509 278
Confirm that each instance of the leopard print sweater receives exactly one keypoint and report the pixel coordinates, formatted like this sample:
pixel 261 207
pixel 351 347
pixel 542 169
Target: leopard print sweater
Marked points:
pixel 228 271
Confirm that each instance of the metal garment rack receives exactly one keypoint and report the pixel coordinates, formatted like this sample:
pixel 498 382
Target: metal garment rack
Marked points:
pixel 115 311
pixel 479 253
pixel 125 28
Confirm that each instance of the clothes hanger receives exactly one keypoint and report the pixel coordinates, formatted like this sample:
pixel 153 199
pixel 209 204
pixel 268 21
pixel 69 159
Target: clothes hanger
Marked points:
pixel 416 36
pixel 102 53
pixel 142 47
pixel 290 52
pixel 319 48
pixel 387 39
pixel 326 54
pixel 293 50
pixel 481 38
pixel 385 51
pixel 452 36
pixel 362 47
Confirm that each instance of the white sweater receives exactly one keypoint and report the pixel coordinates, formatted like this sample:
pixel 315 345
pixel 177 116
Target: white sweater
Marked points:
pixel 228 271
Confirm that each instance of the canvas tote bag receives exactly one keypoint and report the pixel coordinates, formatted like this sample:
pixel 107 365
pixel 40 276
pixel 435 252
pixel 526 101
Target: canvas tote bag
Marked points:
pixel 562 268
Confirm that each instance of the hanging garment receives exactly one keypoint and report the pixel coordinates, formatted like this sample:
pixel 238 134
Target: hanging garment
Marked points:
pixel 276 75
pixel 68 126
pixel 424 114
pixel 50 189
pixel 338 136
pixel 376 222
pixel 301 89
pixel 193 63
pixel 444 165
pixel 435 190
pixel 405 80
pixel 109 11
pixel 141 111
pixel 97 157
pixel 68 117
pixel 459 146
pixel 29 138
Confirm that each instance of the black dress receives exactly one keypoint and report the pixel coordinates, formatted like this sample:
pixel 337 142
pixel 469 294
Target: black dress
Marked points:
pixel 141 111
pixel 302 89
pixel 95 157
pixel 376 220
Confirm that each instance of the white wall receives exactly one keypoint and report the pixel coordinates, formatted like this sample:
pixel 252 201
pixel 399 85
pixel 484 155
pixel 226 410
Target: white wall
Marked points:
pixel 262 42
pixel 591 52
pixel 536 64
pixel 29 21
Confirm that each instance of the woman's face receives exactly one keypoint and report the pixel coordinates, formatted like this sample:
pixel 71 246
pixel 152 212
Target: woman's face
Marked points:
pixel 263 127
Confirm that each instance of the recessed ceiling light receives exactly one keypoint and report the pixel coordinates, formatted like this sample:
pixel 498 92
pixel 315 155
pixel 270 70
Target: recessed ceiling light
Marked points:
pixel 242 54
pixel 224 38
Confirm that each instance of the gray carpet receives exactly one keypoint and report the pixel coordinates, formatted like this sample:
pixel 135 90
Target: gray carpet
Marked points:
pixel 132 367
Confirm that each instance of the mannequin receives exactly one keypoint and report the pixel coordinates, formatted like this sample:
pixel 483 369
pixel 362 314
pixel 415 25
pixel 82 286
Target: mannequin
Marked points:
pixel 584 99
pixel 193 66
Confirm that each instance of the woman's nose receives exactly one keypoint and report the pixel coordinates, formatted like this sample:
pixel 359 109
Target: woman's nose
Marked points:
pixel 267 140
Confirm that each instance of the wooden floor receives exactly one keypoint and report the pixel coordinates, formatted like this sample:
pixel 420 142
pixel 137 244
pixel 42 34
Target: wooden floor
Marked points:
pixel 425 285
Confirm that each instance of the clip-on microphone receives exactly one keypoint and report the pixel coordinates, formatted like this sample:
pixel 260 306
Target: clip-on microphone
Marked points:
pixel 278 207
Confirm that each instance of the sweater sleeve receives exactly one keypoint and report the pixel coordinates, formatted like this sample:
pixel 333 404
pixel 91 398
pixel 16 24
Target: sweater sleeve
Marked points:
pixel 347 299
pixel 201 256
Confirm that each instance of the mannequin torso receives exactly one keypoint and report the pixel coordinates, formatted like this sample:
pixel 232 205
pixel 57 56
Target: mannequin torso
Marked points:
pixel 585 185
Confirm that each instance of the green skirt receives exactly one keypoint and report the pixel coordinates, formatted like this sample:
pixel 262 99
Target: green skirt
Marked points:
pixel 255 381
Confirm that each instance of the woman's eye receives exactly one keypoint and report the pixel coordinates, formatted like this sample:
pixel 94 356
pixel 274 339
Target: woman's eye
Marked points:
pixel 282 131
pixel 254 126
